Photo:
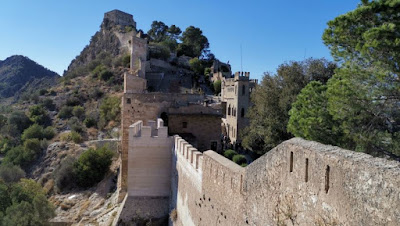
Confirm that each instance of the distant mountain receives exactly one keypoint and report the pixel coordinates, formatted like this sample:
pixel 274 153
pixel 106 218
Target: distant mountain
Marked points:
pixel 18 72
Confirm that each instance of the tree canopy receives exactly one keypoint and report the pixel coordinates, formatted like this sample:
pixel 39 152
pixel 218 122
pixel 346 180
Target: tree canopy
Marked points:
pixel 361 101
pixel 194 43
pixel 273 99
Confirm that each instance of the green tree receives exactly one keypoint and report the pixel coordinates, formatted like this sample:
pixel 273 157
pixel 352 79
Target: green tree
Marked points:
pixel 92 165
pixel 217 87
pixel 196 66
pixel 158 31
pixel 194 43
pixel 309 116
pixel 273 99
pixel 363 95
pixel 174 32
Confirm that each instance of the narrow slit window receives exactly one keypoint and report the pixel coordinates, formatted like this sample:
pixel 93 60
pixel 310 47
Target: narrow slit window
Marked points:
pixel 327 171
pixel 291 161
pixel 306 176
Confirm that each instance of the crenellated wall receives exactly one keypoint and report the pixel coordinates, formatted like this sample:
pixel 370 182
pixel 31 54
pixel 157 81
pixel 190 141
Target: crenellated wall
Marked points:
pixel 297 183
pixel 149 171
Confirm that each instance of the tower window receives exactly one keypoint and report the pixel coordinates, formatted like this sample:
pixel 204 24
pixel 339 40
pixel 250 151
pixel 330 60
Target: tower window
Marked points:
pixel 128 100
pixel 243 90
pixel 242 113
pixel 184 124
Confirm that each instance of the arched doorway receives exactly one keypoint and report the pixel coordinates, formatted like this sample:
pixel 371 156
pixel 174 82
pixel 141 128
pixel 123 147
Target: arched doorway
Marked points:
pixel 164 117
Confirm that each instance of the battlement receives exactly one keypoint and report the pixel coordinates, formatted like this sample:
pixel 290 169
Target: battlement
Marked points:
pixel 189 153
pixel 242 75
pixel 154 129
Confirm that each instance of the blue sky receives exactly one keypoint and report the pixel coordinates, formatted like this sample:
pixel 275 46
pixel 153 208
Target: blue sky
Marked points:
pixel 270 32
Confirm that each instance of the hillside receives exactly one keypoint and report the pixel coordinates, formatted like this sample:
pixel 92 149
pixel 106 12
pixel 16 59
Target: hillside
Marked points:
pixel 18 73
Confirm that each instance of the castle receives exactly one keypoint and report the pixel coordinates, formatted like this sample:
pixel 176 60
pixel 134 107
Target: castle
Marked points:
pixel 171 167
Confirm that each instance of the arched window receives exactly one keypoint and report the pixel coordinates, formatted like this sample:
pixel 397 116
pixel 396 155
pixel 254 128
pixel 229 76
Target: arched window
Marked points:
pixel 242 113
pixel 243 90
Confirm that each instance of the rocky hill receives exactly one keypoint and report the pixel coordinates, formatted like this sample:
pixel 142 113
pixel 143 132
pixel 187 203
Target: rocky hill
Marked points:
pixel 19 73
pixel 110 41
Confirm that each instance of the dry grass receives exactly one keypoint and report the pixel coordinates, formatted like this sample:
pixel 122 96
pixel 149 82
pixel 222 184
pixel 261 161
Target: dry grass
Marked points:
pixel 173 215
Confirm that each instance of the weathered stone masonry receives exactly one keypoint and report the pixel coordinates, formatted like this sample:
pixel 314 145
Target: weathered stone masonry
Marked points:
pixel 299 182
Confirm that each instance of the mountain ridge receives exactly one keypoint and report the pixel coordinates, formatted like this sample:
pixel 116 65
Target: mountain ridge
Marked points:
pixel 18 71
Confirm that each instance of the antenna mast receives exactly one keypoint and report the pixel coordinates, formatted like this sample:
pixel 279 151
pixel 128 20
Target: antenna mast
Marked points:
pixel 241 58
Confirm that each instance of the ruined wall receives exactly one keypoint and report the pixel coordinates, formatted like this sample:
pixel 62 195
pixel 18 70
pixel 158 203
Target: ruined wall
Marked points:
pixel 205 128
pixel 120 18
pixel 297 183
pixel 138 56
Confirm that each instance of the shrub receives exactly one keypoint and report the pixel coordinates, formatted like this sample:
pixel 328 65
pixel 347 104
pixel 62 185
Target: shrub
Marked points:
pixel 76 125
pixel 73 101
pixel 92 165
pixel 63 175
pixel 65 112
pixel 95 93
pixel 173 215
pixel 48 133
pixel 39 115
pixel 243 164
pixel 43 92
pixel 11 173
pixel 20 120
pixel 49 104
pixel 230 153
pixel 90 122
pixel 126 60
pixel 110 109
pixel 239 159
pixel 6 144
pixel 37 131
pixel 34 131
pixel 78 111
pixel 23 155
pixel 28 204
pixel 53 93
pixel 106 75
pixel 217 87
pixel 72 136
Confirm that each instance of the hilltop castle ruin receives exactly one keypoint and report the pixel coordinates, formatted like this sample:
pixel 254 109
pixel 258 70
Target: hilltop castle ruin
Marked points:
pixel 171 166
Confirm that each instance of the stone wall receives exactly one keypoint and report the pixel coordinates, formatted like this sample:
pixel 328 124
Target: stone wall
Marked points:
pixel 144 107
pixel 205 129
pixel 297 183
pixel 149 172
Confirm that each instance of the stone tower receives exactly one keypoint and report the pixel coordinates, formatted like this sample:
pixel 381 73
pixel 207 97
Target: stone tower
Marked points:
pixel 235 93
